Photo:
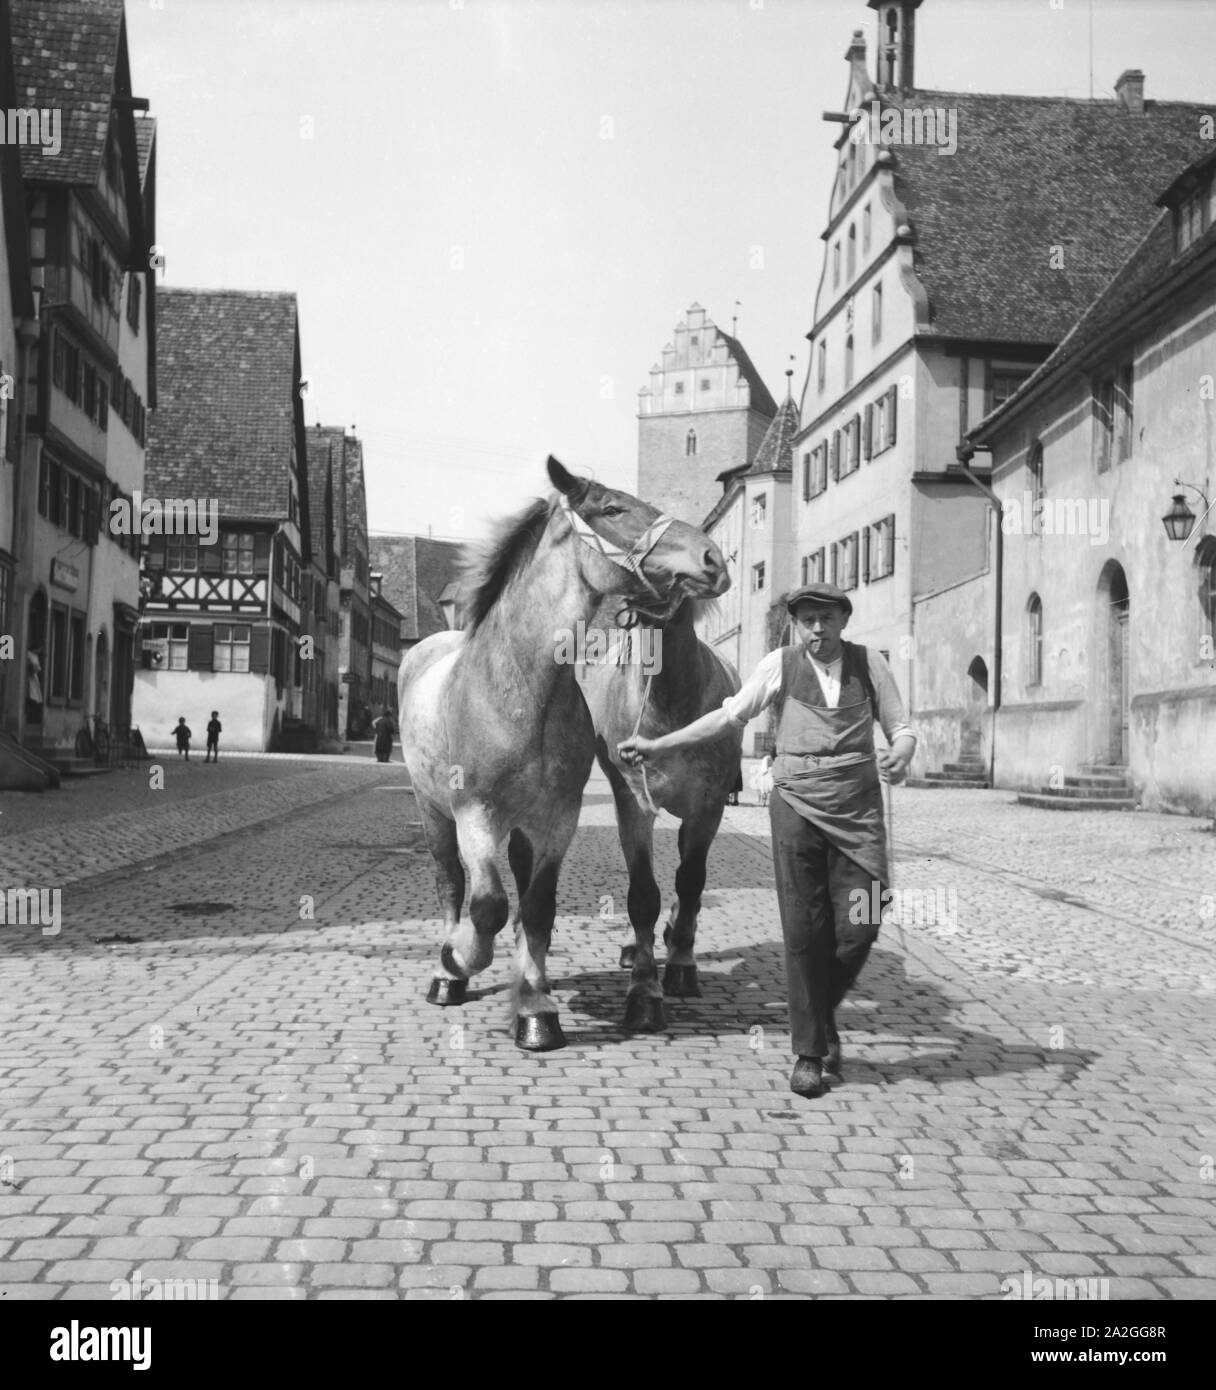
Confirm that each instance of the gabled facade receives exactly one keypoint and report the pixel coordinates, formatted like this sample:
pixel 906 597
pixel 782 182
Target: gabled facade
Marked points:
pixel 751 525
pixel 386 650
pixel 1109 625
pixel 705 411
pixel 966 233
pixel 90 205
pixel 228 606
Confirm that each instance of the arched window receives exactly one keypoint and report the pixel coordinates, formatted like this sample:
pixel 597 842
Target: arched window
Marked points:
pixel 690 444
pixel 1205 562
pixel 848 360
pixel 1034 641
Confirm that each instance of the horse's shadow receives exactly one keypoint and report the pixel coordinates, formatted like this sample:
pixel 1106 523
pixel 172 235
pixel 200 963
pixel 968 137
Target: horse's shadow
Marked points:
pixel 910 1020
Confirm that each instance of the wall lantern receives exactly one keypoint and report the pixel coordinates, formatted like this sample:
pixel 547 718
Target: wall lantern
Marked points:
pixel 1179 521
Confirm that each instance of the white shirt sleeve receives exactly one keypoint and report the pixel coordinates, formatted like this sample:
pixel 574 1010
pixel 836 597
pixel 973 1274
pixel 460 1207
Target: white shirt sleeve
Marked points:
pixel 759 690
pixel 892 712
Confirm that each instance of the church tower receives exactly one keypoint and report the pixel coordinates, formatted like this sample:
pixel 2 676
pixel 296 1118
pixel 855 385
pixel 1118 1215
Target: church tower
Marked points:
pixel 896 43
pixel 705 412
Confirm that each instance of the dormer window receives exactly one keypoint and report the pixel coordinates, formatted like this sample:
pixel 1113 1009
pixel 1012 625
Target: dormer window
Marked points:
pixel 1193 216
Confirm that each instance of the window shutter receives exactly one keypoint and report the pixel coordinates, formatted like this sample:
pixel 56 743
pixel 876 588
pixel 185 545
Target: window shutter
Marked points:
pixel 259 650
pixel 888 541
pixel 198 653
pixel 261 552
pixel 835 461
pixel 892 394
pixel 835 561
pixel 865 554
pixel 806 477
pixel 867 432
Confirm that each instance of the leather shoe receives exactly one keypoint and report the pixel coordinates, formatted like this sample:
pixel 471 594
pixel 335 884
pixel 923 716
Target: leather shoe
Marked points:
pixel 807 1078
pixel 831 1063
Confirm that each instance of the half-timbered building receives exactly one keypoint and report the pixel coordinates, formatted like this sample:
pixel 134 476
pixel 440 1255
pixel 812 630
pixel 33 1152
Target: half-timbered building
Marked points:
pixel 224 620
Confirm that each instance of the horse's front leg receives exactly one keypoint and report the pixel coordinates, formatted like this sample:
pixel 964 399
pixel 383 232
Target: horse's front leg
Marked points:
pixel 469 947
pixel 644 1002
pixel 447 987
pixel 696 836
pixel 537 1025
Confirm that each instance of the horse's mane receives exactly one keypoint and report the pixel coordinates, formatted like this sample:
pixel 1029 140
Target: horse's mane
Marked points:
pixel 491 566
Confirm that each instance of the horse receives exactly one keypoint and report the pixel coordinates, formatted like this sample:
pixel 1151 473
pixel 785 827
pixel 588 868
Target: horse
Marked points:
pixel 496 733
pixel 685 680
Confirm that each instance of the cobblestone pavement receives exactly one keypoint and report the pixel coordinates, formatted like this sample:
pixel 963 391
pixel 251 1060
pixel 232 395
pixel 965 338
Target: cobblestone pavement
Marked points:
pixel 222 1067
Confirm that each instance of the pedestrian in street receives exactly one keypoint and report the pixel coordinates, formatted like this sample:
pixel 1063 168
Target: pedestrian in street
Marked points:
pixel 829 839
pixel 384 737
pixel 183 736
pixel 214 729
pixel 762 780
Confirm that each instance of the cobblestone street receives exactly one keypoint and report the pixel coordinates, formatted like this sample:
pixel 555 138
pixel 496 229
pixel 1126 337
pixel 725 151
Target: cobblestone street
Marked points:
pixel 222 1066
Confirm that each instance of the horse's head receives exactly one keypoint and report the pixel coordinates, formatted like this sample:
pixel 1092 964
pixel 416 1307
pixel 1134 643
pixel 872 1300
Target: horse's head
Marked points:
pixel 630 548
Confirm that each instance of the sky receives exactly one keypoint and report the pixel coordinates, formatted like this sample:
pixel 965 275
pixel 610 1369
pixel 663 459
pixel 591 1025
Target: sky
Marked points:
pixel 494 212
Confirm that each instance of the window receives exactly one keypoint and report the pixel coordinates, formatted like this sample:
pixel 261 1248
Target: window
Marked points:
pixel 231 649
pixel 876 311
pixel 181 554
pixel 1191 217
pixel 812 567
pixel 835 265
pixel 1038 490
pixel 865 228
pixel 705 383
pixel 177 638
pixel 134 297
pixel 57 682
pixel 1205 560
pixel 757 577
pixel 1113 422
pixel 879 558
pixel 679 388
pixel 1034 641
pixel 237 554
pixel 690 443
pixel 1002 384
pixel 850 437
pixel 844 562
pixel 759 509
pixel 823 363
pixel 848 360
pixel 851 269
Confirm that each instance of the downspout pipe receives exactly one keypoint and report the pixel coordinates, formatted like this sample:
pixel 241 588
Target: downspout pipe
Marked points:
pixel 966 452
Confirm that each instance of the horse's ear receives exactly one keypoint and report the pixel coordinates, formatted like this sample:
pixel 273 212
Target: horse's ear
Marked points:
pixel 565 481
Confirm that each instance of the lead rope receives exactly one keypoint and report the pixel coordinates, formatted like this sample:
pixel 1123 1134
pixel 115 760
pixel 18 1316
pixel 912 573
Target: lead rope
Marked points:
pixel 899 916
pixel 654 810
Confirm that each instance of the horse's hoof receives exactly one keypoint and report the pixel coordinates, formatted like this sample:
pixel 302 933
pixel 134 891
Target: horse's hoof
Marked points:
pixel 644 1014
pixel 681 980
pixel 445 992
pixel 628 953
pixel 539 1033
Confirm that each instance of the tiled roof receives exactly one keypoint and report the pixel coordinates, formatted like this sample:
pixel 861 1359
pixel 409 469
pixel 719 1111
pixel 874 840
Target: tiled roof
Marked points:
pixel 1150 266
pixel 355 518
pixel 761 397
pixel 776 448
pixel 64 57
pixel 145 136
pixel 1031 174
pixel 226 379
pixel 418 572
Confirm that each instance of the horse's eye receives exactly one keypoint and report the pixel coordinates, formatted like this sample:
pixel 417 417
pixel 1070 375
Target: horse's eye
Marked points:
pixel 611 510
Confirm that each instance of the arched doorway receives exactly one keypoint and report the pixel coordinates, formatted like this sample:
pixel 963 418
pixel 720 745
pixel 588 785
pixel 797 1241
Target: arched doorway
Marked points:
pixel 1113 649
pixel 973 711
pixel 36 672
pixel 101 678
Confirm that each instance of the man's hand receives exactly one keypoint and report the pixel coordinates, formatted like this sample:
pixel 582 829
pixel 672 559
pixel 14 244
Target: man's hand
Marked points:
pixel 634 750
pixel 891 768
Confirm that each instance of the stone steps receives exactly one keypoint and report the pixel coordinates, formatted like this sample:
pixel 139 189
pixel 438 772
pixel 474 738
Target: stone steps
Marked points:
pixel 1094 787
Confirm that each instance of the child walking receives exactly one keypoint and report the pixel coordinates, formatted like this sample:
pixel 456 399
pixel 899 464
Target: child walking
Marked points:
pixel 183 736
pixel 214 729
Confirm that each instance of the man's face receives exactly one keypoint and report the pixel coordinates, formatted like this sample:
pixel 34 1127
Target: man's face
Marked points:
pixel 819 626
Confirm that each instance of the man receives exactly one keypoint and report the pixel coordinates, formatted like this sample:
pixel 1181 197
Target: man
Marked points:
pixel 829 838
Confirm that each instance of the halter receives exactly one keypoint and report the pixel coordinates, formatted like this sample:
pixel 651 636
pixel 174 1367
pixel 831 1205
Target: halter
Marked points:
pixel 630 560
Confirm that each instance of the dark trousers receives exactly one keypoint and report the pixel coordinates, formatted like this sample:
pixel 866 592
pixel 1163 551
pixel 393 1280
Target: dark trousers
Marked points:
pixel 824 950
pixel 213 746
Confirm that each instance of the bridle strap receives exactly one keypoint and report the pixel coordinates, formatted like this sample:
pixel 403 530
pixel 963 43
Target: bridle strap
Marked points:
pixel 630 560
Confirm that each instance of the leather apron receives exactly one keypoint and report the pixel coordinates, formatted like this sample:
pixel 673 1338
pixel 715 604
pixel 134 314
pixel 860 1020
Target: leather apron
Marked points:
pixel 825 766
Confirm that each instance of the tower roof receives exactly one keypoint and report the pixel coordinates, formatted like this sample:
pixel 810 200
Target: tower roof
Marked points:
pixel 761 397
pixel 776 451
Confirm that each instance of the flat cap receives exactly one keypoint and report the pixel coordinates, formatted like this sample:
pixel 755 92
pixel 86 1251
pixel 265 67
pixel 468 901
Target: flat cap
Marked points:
pixel 819 593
